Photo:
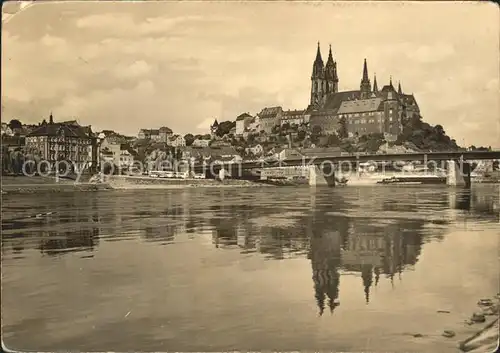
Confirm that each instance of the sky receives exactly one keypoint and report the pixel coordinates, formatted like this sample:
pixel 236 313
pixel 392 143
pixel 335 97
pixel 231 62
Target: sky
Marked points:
pixel 132 65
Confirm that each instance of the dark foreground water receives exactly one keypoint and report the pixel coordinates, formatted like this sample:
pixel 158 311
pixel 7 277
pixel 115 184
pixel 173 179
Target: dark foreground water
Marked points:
pixel 343 269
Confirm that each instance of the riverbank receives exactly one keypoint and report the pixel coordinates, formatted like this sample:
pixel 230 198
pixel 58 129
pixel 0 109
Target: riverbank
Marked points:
pixel 484 337
pixel 139 182
pixel 474 332
pixel 24 184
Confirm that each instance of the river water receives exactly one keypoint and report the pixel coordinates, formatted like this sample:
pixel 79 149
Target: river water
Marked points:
pixel 340 269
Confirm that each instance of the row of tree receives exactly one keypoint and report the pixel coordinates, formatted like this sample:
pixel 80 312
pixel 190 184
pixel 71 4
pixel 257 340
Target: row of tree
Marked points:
pixel 13 161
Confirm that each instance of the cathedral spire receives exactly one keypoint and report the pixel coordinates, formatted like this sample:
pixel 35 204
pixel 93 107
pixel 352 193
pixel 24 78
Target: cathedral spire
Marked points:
pixel 51 119
pixel 390 81
pixel 330 56
pixel 318 55
pixel 400 91
pixel 318 82
pixel 331 74
pixel 365 87
pixel 375 86
pixel 365 72
pixel 318 65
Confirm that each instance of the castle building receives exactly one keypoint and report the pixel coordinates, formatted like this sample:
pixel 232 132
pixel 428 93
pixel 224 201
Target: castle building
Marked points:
pixel 270 117
pixel 364 111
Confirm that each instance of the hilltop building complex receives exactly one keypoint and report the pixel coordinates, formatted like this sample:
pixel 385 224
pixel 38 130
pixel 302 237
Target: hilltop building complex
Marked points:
pixel 360 112
pixel 364 111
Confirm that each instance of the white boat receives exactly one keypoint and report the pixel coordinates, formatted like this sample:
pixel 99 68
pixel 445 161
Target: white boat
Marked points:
pixel 414 177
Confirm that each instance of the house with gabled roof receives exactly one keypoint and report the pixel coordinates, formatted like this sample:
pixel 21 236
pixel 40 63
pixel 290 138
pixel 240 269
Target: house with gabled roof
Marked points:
pixel 64 142
pixel 269 118
pixel 176 141
pixel 295 117
pixel 242 122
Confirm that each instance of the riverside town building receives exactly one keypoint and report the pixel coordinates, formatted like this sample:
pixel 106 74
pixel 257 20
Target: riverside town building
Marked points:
pixel 65 141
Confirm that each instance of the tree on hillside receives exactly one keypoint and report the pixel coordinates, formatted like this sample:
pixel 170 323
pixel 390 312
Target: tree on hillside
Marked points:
pixel 301 135
pixel 207 137
pixel 316 130
pixel 16 161
pixel 347 146
pixel 342 133
pixel 315 134
pixel 15 124
pixel 6 158
pixel 333 140
pixel 224 127
pixel 439 129
pixel 251 138
pixel 424 136
pixel 189 138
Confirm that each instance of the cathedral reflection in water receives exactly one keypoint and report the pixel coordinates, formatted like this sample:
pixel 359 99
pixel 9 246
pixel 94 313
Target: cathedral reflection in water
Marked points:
pixel 334 245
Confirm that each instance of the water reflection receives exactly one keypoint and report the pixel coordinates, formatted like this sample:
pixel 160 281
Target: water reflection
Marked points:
pixel 380 242
pixel 56 243
pixel 337 244
pixel 73 227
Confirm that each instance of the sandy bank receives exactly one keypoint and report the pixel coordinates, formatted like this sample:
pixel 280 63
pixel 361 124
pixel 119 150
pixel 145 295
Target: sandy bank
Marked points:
pixel 25 184
pixel 38 188
pixel 134 182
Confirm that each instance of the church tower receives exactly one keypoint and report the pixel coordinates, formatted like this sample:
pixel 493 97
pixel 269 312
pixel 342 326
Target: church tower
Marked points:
pixel 375 87
pixel 332 80
pixel 365 86
pixel 392 112
pixel 318 83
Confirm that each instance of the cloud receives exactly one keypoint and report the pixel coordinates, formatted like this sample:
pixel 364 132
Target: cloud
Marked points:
pixel 431 53
pixel 52 41
pixel 132 65
pixel 204 126
pixel 30 72
pixel 137 69
pixel 493 85
pixel 105 21
pixel 121 24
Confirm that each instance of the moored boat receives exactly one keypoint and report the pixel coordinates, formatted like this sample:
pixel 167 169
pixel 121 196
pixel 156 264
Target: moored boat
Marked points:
pixel 414 179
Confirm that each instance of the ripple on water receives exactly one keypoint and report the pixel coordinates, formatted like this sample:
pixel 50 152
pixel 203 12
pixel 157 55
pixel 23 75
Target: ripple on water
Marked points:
pixel 183 261
pixel 279 220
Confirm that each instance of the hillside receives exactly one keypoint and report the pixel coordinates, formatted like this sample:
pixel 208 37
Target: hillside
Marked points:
pixel 417 136
pixel 424 136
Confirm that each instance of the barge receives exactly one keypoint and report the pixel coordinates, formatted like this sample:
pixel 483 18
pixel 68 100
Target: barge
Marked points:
pixel 414 180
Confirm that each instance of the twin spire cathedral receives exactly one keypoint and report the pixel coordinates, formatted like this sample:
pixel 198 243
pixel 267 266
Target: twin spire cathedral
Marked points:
pixel 325 81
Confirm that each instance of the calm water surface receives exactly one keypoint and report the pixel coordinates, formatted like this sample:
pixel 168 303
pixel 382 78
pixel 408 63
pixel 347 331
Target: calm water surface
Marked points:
pixel 343 269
